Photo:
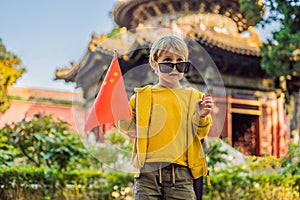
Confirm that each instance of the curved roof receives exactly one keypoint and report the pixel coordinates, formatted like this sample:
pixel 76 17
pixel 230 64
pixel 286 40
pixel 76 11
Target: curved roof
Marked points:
pixel 129 13
pixel 212 30
pixel 231 42
pixel 128 42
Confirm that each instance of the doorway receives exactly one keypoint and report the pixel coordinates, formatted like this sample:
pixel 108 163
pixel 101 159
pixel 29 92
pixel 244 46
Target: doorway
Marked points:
pixel 245 133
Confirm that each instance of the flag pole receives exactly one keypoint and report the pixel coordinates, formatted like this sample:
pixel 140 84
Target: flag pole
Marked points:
pixel 119 129
pixel 115 54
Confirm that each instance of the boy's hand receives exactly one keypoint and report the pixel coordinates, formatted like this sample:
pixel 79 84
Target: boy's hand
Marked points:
pixel 204 106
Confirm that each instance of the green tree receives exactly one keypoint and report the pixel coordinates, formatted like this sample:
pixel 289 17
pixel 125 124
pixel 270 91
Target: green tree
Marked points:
pixel 10 71
pixel 253 10
pixel 281 53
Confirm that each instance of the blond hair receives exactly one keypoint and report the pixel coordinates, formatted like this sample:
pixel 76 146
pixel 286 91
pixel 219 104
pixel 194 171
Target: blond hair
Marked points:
pixel 168 43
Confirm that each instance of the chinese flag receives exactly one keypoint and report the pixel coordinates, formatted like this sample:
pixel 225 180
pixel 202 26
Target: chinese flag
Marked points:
pixel 111 103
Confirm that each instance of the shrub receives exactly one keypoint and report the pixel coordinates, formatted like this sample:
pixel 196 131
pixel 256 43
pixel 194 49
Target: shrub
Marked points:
pixel 43 140
pixel 45 183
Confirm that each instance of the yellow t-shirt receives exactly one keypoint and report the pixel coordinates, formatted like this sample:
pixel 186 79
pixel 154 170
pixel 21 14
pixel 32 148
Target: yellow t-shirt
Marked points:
pixel 167 137
pixel 164 137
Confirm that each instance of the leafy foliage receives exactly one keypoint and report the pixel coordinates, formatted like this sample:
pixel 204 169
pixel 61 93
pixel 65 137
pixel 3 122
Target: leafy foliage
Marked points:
pixel 115 152
pixel 45 141
pixel 115 32
pixel 253 180
pixel 10 71
pixel 259 178
pixel 44 183
pixel 7 151
pixel 216 155
pixel 281 54
pixel 291 163
pixel 237 182
pixel 253 10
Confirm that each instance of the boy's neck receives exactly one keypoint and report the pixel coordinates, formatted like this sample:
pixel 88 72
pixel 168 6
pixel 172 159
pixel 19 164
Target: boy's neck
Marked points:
pixel 172 86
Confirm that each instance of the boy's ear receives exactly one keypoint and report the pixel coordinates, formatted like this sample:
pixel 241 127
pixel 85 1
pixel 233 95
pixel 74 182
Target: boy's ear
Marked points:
pixel 153 64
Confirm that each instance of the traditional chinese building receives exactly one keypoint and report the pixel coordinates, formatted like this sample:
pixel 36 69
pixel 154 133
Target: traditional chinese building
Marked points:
pixel 255 120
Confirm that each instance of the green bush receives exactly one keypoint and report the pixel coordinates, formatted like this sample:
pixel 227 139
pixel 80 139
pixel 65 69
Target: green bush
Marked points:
pixel 291 162
pixel 7 151
pixel 43 140
pixel 265 178
pixel 41 158
pixel 236 183
pixel 45 183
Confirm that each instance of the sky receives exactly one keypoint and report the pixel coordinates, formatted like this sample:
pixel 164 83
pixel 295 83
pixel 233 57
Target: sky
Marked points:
pixel 49 34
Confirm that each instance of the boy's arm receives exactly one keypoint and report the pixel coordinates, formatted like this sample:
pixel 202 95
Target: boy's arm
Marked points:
pixel 202 119
pixel 202 125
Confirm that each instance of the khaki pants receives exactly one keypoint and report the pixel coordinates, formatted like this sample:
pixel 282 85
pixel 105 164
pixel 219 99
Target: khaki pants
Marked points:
pixel 161 181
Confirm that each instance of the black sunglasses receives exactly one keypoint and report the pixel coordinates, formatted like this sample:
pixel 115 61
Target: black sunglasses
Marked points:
pixel 167 67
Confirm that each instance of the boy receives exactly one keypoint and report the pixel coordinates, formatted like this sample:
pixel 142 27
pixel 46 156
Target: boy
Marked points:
pixel 169 121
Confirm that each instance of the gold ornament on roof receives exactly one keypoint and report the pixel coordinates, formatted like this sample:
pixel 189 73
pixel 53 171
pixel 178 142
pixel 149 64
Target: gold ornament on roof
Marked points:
pixel 96 41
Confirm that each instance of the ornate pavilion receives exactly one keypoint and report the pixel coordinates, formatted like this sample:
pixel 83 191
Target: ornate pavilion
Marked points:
pixel 255 120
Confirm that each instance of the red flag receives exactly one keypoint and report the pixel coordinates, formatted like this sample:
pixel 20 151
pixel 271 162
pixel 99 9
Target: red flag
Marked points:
pixel 111 103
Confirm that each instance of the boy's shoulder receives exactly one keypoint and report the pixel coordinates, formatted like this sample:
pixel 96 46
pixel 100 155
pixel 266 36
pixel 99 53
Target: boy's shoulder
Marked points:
pixel 149 87
pixel 196 92
pixel 144 88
